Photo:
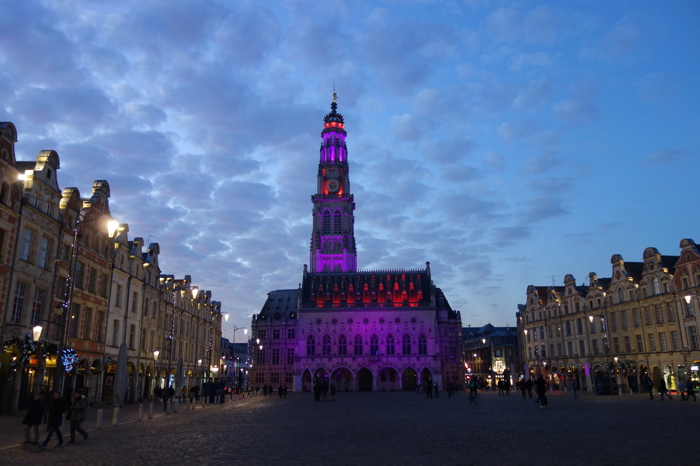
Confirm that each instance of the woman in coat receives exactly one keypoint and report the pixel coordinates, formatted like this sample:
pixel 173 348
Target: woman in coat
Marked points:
pixel 33 418
pixel 56 410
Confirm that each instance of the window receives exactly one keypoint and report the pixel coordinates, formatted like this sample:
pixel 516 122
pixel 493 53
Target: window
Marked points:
pixel 337 223
pixel 671 313
pixel 259 377
pixel 620 295
pixel 453 355
pixel 582 347
pixel 103 285
pixel 593 330
pixel 559 350
pixel 625 322
pixel 134 301
pixel 37 306
pixel 326 223
pixel 542 333
pixel 74 321
pixel 290 333
pixel 390 348
pixel 18 306
pixel 342 346
pixel 551 350
pixel 529 352
pixel 92 281
pixel 628 344
pixel 151 341
pixel 118 297
pixel 675 341
pixel 276 334
pixel 358 345
pixel 290 355
pixel 374 345
pixel 27 239
pixel 544 351
pixel 640 344
pixel 132 336
pixel 145 308
pixel 655 285
pixel 422 345
pixel 579 327
pixel 275 357
pixel 659 314
pixel 647 315
pixel 262 334
pixel 261 357
pixel 406 345
pixel 275 377
pixel 310 346
pixel 662 341
pixel 616 345
pixel 326 348
pixel 115 333
pixel 44 248
pixel 87 324
pixel 693 333
pixel 577 307
pixel 65 251
pixel 79 274
pixel 613 321
pixel 289 377
pixel 595 347
pixel 635 315
pixel 689 309
pixel 142 342
pixel 570 348
pixel 652 343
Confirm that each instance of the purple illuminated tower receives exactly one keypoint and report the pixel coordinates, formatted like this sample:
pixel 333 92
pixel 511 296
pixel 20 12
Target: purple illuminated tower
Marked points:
pixel 333 234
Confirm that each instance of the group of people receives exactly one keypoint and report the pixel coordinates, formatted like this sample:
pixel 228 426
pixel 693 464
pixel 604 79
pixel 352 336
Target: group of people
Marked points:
pixel 268 390
pixel 50 408
pixel 321 390
pixel 686 390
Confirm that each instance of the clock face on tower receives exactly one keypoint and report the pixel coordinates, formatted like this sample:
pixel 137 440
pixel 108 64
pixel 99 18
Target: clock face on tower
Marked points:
pixel 332 185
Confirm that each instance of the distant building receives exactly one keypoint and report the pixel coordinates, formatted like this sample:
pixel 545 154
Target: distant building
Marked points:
pixel 612 334
pixel 362 330
pixel 492 353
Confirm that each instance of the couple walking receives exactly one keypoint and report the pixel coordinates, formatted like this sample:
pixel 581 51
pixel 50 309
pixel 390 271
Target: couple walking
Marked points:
pixel 75 413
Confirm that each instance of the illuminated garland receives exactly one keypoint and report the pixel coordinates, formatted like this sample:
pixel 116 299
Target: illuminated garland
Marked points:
pixel 69 358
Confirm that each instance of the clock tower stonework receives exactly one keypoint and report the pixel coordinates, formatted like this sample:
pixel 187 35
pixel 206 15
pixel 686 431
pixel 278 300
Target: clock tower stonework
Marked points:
pixel 333 234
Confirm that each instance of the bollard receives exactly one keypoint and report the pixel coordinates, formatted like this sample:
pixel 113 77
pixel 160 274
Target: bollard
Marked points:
pixel 98 424
pixel 194 404
pixel 167 407
pixel 150 411
pixel 115 416
pixel 139 417
pixel 177 405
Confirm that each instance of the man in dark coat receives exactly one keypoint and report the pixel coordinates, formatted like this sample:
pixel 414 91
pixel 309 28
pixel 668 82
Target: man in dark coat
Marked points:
pixel 528 386
pixel 541 390
pixel 56 410
pixel 33 419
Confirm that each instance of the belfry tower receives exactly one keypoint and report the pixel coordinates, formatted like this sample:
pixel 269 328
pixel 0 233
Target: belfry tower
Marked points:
pixel 333 234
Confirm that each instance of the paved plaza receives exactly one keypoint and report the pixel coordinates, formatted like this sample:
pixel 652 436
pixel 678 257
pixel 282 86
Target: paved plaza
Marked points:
pixel 386 428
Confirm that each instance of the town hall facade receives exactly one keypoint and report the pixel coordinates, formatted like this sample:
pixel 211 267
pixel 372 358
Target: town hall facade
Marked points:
pixel 362 330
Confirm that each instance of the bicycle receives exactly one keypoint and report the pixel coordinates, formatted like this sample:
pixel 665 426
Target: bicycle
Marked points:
pixel 474 398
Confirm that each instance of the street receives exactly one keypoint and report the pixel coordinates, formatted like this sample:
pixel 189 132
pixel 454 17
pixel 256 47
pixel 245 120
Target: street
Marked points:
pixel 392 428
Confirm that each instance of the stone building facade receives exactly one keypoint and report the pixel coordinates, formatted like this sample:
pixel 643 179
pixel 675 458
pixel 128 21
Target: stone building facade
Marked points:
pixel 492 353
pixel 613 333
pixel 66 266
pixel 361 330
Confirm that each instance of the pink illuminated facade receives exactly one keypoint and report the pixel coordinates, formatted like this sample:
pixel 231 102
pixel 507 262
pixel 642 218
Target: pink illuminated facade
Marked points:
pixel 361 330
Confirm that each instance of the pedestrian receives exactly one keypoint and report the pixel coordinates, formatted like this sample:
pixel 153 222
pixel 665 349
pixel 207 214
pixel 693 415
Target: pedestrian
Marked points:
pixel 523 388
pixel 528 386
pixel 506 387
pixel 279 391
pixel 681 389
pixel 78 413
pixel 184 392
pixel 157 393
pixel 663 390
pixel 284 392
pixel 171 393
pixel 324 390
pixel 333 390
pixel 499 385
pixel 429 388
pixel 435 390
pixel 574 388
pixel 650 387
pixel 56 410
pixel 46 398
pixel 317 391
pixel 541 390
pixel 35 413
pixel 691 391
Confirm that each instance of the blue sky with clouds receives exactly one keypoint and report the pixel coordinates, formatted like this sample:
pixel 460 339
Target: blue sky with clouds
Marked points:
pixel 504 142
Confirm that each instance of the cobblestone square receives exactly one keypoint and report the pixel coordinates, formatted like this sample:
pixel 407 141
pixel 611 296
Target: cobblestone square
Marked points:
pixel 387 428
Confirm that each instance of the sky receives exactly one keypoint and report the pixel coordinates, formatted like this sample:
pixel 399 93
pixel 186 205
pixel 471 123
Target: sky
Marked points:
pixel 507 143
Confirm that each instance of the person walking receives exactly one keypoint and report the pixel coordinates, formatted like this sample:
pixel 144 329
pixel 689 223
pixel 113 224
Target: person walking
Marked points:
pixel 523 388
pixel 33 419
pixel 541 390
pixel 46 398
pixel 681 389
pixel 574 388
pixel 528 386
pixel 435 390
pixel 429 388
pixel 663 390
pixel 56 410
pixel 333 390
pixel 650 387
pixel 691 390
pixel 78 413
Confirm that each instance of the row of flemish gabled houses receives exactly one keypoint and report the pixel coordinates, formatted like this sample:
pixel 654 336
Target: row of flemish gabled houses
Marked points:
pixel 640 323
pixel 91 289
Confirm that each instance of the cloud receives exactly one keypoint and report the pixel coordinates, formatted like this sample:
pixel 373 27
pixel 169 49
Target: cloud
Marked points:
pixel 656 87
pixel 620 41
pixel 579 108
pixel 540 208
pixel 669 156
pixel 530 60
